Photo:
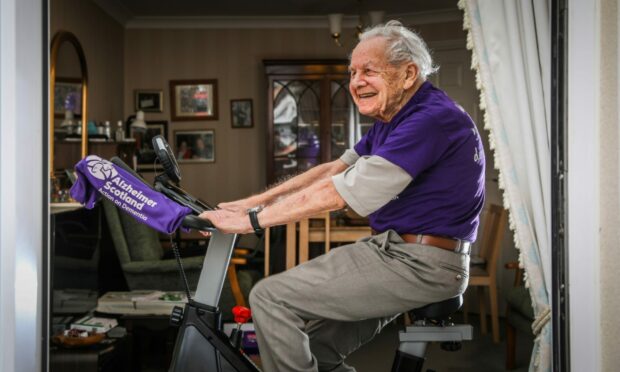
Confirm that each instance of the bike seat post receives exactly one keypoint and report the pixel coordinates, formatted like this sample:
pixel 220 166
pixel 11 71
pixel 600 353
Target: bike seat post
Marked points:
pixel 415 348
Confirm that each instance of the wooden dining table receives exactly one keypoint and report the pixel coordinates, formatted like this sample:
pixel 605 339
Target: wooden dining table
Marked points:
pixel 297 250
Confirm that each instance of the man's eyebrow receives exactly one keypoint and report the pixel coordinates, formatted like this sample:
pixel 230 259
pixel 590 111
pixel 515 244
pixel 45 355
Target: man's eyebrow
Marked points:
pixel 364 65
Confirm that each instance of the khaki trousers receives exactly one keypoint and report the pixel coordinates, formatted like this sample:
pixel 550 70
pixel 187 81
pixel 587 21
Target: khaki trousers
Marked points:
pixel 311 317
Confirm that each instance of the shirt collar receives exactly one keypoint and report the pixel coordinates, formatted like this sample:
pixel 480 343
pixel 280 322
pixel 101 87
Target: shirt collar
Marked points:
pixel 411 103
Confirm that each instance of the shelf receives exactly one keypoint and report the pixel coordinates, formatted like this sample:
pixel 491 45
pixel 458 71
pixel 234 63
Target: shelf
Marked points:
pixel 56 208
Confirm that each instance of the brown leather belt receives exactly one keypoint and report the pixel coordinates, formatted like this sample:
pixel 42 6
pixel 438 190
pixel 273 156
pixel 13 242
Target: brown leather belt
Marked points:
pixel 455 245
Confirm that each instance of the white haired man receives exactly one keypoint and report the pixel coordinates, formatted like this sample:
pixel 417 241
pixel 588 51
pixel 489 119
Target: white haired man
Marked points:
pixel 419 176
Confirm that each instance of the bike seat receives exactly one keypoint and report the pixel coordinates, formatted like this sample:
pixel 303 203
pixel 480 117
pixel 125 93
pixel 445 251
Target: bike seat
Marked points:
pixel 438 310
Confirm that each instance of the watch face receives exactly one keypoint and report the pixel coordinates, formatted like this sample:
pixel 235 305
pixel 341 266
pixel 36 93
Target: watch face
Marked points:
pixel 256 209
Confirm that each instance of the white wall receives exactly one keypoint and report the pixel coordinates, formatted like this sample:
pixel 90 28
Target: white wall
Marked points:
pixel 594 184
pixel 609 184
pixel 22 138
pixel 583 175
pixel 593 203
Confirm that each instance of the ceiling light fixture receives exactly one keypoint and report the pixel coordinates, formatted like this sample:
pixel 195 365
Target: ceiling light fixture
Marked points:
pixel 335 24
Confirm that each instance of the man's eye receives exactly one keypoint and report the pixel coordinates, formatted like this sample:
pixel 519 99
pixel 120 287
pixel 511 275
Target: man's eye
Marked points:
pixel 369 72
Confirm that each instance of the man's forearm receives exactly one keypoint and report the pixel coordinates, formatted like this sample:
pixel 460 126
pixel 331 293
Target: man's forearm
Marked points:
pixel 319 197
pixel 301 181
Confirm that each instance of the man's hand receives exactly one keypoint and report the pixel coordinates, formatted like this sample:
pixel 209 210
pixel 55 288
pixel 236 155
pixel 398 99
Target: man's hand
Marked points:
pixel 236 206
pixel 229 221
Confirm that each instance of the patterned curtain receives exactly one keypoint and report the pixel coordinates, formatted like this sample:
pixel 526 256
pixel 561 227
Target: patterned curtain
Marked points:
pixel 511 43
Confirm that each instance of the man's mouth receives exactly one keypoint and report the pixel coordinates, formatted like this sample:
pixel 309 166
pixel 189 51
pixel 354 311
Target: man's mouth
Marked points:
pixel 366 95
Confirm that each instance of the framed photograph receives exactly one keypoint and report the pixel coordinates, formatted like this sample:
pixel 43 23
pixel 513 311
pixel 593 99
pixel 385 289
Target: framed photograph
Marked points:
pixel 146 158
pixel 194 146
pixel 149 100
pixel 192 100
pixel 241 115
pixel 67 96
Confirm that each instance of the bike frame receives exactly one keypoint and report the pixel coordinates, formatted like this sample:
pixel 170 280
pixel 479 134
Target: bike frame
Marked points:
pixel 201 344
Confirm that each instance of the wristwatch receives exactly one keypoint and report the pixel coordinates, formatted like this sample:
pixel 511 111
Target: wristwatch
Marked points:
pixel 252 212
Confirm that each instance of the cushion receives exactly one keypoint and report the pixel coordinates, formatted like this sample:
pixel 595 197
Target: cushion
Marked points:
pixel 142 241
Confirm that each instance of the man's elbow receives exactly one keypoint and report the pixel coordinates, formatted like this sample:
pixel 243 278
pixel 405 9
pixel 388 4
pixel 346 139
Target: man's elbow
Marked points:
pixel 337 166
pixel 331 194
pixel 340 203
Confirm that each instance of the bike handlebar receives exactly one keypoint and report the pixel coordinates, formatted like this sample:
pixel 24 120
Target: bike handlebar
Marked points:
pixel 194 222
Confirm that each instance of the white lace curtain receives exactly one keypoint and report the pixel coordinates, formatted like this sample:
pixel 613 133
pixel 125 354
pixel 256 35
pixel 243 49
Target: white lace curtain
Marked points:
pixel 511 44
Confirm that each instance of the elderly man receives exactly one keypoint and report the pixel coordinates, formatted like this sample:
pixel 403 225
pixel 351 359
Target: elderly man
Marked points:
pixel 418 174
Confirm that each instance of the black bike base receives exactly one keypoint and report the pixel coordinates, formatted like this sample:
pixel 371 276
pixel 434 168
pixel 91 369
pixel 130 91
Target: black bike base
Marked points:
pixel 404 362
pixel 202 347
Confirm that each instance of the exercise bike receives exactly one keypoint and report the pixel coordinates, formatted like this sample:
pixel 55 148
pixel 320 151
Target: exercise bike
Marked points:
pixel 202 345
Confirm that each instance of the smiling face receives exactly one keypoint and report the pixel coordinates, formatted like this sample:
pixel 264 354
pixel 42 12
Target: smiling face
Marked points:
pixel 380 89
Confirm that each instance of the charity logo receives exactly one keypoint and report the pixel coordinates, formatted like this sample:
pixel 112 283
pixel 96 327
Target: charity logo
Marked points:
pixel 100 168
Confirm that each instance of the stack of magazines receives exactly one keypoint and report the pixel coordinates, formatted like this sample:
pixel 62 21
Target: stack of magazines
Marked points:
pixel 141 302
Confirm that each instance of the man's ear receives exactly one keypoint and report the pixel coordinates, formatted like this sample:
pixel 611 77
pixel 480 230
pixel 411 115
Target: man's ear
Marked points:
pixel 411 75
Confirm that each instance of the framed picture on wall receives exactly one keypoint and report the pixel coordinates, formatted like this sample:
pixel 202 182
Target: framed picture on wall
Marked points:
pixel 192 100
pixel 146 158
pixel 67 97
pixel 149 100
pixel 194 146
pixel 241 115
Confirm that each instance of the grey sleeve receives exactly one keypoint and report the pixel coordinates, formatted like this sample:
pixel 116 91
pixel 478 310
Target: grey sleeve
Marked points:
pixel 349 157
pixel 370 183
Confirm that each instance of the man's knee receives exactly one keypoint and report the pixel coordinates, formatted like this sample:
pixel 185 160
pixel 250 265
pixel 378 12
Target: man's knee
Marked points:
pixel 259 293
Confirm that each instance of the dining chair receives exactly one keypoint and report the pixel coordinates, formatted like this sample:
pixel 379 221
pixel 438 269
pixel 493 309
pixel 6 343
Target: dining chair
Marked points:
pixel 484 273
pixel 318 232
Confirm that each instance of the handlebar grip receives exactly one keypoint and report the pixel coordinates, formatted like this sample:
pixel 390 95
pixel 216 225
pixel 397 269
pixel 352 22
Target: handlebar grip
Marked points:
pixel 194 222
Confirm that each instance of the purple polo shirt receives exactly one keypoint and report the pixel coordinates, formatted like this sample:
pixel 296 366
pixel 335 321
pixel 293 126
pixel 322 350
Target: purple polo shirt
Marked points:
pixel 436 142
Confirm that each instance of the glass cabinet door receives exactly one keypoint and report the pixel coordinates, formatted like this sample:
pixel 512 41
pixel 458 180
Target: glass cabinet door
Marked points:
pixel 347 124
pixel 342 118
pixel 312 118
pixel 296 116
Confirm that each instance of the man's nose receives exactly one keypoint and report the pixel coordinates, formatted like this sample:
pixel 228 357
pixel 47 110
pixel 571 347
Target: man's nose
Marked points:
pixel 357 81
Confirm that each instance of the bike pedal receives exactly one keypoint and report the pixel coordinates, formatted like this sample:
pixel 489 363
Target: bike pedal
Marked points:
pixel 451 345
pixel 176 317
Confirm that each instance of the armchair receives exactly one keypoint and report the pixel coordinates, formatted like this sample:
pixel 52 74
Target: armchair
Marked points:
pixel 141 257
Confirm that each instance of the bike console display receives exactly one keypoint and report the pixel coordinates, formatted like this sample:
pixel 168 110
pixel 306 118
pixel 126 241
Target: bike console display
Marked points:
pixel 166 158
pixel 167 183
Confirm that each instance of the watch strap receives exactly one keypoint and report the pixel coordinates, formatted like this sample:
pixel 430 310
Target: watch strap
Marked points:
pixel 254 221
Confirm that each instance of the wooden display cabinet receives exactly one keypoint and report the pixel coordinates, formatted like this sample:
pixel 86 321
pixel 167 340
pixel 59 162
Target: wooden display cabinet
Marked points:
pixel 311 116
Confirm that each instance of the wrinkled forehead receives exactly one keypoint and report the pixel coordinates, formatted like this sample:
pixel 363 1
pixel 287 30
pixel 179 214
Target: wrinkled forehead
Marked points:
pixel 372 52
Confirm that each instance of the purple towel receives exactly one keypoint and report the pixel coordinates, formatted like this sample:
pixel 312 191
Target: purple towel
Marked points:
pixel 96 176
